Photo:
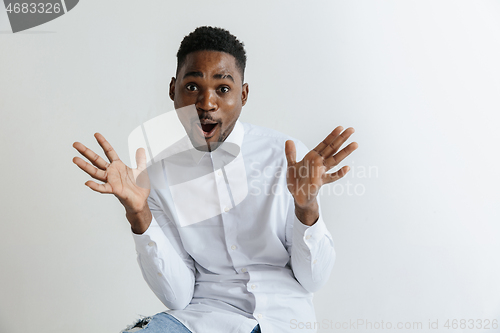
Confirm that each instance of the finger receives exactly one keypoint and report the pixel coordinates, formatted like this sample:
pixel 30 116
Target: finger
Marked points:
pixel 140 158
pixel 337 158
pixel 95 159
pixel 331 177
pixel 330 137
pixel 92 171
pixel 101 188
pixel 290 152
pixel 108 149
pixel 335 144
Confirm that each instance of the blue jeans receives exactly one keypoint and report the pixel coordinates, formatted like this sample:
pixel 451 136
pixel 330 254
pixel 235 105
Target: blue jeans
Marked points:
pixel 164 323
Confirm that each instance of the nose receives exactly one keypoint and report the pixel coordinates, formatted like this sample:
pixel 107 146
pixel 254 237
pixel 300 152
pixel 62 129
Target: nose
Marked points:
pixel 207 101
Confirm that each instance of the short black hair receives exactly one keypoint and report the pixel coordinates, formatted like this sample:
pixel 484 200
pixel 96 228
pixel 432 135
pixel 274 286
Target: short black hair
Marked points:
pixel 212 39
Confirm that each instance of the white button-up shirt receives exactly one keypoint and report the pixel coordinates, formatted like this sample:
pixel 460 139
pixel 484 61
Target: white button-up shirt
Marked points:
pixel 225 251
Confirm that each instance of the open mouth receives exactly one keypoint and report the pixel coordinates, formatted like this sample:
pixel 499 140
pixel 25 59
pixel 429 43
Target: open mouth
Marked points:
pixel 208 129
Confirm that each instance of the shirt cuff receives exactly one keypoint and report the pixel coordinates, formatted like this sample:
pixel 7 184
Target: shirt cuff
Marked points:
pixel 314 250
pixel 150 240
pixel 310 233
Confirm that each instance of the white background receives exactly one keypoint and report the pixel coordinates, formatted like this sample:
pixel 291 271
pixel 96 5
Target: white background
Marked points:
pixel 418 80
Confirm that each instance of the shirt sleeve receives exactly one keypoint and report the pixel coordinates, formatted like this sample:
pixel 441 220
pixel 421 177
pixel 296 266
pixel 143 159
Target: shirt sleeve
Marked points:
pixel 311 248
pixel 165 265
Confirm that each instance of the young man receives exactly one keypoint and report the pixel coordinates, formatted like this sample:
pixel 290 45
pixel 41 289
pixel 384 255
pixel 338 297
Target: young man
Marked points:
pixel 229 233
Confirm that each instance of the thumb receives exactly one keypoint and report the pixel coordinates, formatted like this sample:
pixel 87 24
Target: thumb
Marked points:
pixel 140 158
pixel 290 152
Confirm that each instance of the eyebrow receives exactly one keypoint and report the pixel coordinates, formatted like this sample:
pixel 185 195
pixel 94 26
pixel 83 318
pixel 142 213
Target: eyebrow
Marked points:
pixel 223 76
pixel 216 76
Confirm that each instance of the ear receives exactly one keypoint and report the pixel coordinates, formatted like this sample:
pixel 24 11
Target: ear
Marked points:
pixel 172 89
pixel 244 94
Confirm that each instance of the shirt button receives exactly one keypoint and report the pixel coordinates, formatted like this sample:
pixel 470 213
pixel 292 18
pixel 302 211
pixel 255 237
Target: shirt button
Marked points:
pixel 219 173
pixel 253 286
pixel 159 274
pixel 244 270
pixel 308 236
pixel 233 247
pixel 259 315
pixel 226 209
pixel 151 243
pixel 315 261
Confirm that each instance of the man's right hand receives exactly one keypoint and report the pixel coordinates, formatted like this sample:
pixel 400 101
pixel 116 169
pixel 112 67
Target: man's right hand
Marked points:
pixel 130 186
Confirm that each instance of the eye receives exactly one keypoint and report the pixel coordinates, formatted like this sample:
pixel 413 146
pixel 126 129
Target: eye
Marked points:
pixel 191 87
pixel 224 89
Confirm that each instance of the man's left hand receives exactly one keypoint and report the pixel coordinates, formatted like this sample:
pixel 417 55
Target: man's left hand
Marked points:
pixel 305 178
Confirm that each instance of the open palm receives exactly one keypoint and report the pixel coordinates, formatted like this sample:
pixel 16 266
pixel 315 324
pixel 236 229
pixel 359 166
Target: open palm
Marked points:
pixel 130 186
pixel 305 178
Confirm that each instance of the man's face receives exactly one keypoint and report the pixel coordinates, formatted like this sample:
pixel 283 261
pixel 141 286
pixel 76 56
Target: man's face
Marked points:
pixel 212 83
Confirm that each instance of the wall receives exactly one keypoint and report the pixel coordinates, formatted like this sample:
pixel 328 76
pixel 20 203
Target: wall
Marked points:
pixel 415 223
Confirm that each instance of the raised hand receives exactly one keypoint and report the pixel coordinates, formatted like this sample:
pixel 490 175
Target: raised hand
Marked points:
pixel 305 178
pixel 130 186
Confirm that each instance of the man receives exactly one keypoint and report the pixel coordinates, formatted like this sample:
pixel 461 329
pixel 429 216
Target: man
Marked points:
pixel 230 240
